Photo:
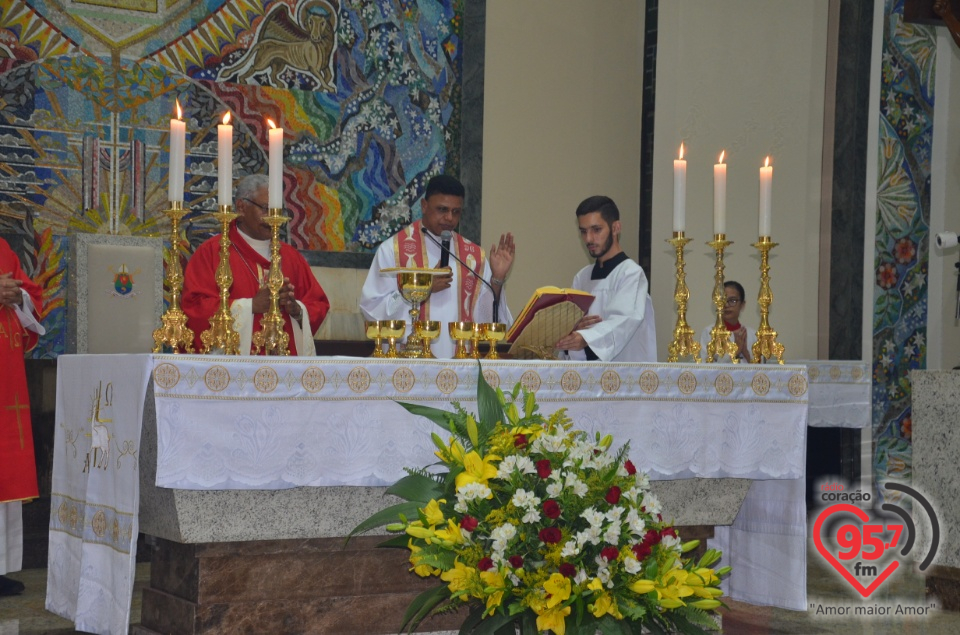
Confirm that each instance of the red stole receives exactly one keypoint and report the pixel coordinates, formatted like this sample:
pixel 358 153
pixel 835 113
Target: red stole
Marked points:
pixel 18 470
pixel 410 250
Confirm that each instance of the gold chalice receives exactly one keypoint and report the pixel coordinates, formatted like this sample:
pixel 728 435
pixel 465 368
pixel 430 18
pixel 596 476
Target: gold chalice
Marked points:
pixel 494 332
pixel 427 330
pixel 461 332
pixel 373 333
pixel 392 330
pixel 415 286
pixel 475 338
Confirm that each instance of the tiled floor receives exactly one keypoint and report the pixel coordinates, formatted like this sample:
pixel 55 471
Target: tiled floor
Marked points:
pixel 25 615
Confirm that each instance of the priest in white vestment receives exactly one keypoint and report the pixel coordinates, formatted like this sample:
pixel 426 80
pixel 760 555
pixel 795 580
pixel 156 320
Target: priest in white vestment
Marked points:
pixel 457 296
pixel 620 324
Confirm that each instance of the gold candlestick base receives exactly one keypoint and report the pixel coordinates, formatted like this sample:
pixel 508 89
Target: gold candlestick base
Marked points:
pixel 272 339
pixel 174 332
pixel 222 336
pixel 720 342
pixel 683 344
pixel 766 346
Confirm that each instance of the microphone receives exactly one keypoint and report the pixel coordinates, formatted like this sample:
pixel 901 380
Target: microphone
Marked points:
pixel 445 248
pixel 445 255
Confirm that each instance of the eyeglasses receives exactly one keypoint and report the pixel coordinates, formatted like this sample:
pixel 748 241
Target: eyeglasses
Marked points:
pixel 252 202
pixel 733 301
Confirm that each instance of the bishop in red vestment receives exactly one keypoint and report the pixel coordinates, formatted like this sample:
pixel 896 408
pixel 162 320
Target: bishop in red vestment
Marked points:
pixel 301 296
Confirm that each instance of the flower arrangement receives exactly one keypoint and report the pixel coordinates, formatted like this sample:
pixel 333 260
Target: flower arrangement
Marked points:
pixel 537 526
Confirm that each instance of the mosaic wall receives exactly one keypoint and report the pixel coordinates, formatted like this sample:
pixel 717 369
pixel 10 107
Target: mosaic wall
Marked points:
pixel 901 248
pixel 367 91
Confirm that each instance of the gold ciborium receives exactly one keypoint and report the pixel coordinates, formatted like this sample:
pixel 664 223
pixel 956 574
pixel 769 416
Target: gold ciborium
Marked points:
pixel 494 332
pixel 461 332
pixel 415 286
pixel 393 330
pixel 427 330
pixel 372 328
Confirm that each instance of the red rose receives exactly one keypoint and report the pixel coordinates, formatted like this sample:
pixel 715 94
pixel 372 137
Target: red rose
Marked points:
pixel 550 535
pixel 613 495
pixel 669 531
pixel 642 551
pixel 516 561
pixel 630 467
pixel 567 570
pixel 651 538
pixel 543 468
pixel 551 508
pixel 519 440
pixel 609 553
pixel 469 523
pixel 484 564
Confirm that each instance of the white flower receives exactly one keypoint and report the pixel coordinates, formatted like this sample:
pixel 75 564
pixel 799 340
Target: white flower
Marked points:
pixel 643 481
pixel 515 462
pixel 473 491
pixel 532 516
pixel 614 513
pixel 554 489
pixel 652 503
pixel 631 495
pixel 570 549
pixel 579 487
pixel 549 443
pixel 612 534
pixel 592 516
pixel 636 523
pixel 580 577
pixel 524 499
pixel 631 565
pixel 590 535
pixel 506 531
pixel 671 542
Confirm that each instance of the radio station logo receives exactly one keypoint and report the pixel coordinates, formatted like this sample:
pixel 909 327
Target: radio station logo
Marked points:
pixel 866 550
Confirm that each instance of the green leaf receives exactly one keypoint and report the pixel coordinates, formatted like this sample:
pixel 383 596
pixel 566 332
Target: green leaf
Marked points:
pixel 488 405
pixel 439 417
pixel 473 619
pixel 416 487
pixel 490 625
pixel 398 541
pixel 421 606
pixel 611 626
pixel 388 515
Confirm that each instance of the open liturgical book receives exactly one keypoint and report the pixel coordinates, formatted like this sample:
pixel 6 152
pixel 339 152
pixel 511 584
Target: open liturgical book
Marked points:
pixel 550 314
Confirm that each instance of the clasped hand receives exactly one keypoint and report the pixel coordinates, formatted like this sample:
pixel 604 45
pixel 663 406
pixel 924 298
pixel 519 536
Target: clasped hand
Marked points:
pixel 287 297
pixel 574 341
pixel 10 293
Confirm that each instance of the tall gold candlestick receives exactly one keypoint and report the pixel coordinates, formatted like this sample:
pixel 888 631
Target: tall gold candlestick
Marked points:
pixel 221 335
pixel 766 345
pixel 683 343
pixel 174 332
pixel 720 342
pixel 271 337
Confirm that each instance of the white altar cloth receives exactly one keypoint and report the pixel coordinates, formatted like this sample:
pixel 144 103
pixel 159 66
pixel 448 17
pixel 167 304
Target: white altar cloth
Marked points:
pixel 252 423
pixel 768 539
pixel 95 495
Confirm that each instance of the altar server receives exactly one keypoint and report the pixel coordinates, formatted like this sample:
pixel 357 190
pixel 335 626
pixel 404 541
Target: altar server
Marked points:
pixel 620 325
pixel 20 328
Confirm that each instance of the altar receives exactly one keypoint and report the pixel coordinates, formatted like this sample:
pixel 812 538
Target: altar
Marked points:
pixel 251 453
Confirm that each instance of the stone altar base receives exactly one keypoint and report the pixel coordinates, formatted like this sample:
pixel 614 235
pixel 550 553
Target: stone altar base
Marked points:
pixel 282 586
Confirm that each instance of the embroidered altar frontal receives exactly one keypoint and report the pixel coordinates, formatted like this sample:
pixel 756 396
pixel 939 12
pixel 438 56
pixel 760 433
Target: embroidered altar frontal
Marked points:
pixel 250 422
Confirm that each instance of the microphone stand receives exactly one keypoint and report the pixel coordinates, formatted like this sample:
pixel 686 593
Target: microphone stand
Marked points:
pixel 496 296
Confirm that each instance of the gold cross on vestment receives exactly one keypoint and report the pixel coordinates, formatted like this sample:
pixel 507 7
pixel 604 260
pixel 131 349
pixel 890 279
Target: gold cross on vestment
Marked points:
pixel 17 406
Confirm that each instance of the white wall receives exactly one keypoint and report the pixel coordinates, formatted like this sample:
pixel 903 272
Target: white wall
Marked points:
pixel 746 76
pixel 561 123
pixel 943 330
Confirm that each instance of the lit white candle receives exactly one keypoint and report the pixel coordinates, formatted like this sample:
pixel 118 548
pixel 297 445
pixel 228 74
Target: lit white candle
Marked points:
pixel 766 187
pixel 679 192
pixel 178 144
pixel 225 161
pixel 720 196
pixel 275 136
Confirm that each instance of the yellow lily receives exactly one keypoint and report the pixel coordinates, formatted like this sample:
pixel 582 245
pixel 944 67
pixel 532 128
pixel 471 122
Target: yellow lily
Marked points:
pixel 494 586
pixel 642 586
pixel 460 578
pixel 421 569
pixel 558 586
pixel 450 535
pixel 477 470
pixel 433 513
pixel 552 618
pixel 452 455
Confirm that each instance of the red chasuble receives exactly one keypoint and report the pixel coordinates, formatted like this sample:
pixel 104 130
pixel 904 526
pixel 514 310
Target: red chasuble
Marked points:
pixel 201 296
pixel 18 468
pixel 410 250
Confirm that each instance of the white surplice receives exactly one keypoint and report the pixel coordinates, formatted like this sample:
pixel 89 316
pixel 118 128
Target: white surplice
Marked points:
pixel 11 537
pixel 381 299
pixel 627 332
